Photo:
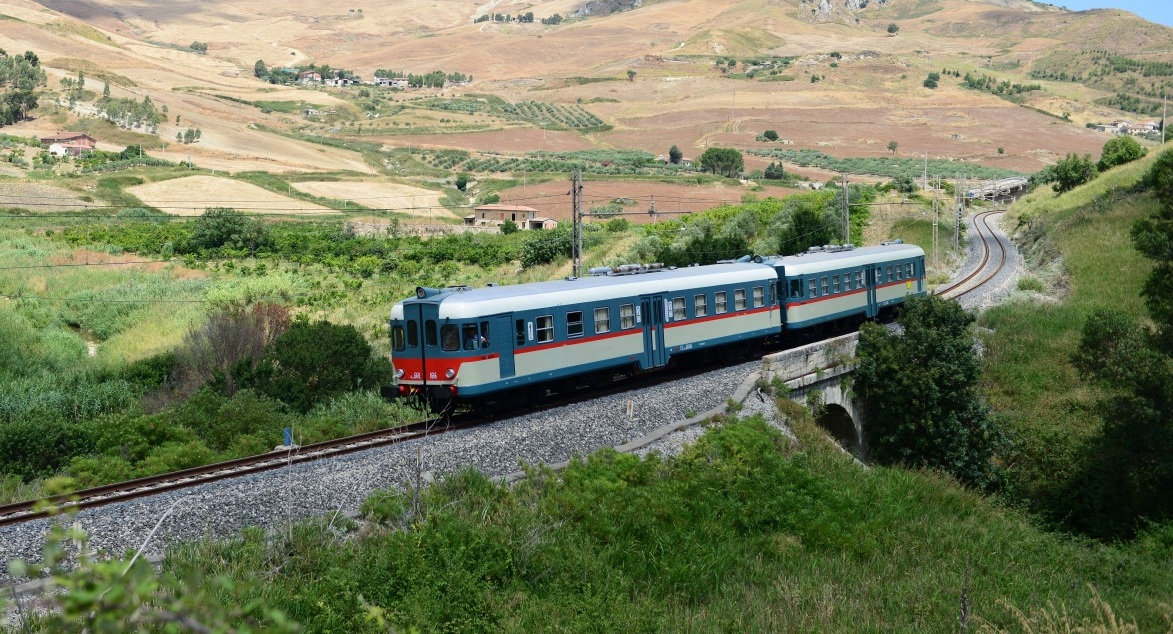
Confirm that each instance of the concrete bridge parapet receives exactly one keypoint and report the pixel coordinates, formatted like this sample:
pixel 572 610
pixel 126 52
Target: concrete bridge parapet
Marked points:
pixel 824 367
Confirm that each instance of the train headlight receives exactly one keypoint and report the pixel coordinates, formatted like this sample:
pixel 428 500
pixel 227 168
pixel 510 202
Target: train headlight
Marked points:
pixel 399 373
pixel 421 292
pixel 449 373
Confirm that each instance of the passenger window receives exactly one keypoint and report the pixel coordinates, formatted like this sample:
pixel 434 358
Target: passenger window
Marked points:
pixel 899 271
pixel 739 299
pixel 449 338
pixel 398 342
pixel 759 296
pixel 574 324
pixel 890 278
pixel 859 279
pixel 627 316
pixel 485 334
pixel 413 334
pixel 700 305
pixel 826 286
pixel 720 305
pixel 545 328
pixel 813 287
pixel 520 327
pixel 908 270
pixel 472 338
pixel 430 333
pixel 796 288
pixel 679 312
pixel 602 320
pixel 834 283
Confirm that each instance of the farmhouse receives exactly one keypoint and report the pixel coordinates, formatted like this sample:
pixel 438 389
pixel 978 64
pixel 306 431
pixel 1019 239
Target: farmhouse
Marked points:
pixel 69 143
pixel 309 77
pixel 495 215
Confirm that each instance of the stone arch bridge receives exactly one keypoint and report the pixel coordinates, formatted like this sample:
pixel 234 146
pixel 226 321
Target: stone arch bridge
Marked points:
pixel 822 371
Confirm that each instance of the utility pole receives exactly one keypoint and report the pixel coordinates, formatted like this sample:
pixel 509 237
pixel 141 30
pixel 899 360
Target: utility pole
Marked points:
pixel 846 211
pixel 1164 116
pixel 926 169
pixel 576 235
pixel 935 222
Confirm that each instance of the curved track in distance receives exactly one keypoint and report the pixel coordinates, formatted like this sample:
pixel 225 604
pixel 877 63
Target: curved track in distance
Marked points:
pixel 967 285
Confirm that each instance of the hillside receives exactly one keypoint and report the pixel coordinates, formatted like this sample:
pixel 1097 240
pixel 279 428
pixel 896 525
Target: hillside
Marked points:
pixel 684 91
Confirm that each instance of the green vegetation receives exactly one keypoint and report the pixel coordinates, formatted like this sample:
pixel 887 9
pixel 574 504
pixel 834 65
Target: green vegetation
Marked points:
pixel 932 418
pixel 1118 151
pixel 20 76
pixel 727 162
pixel 1006 89
pixel 760 527
pixel 884 165
pixel 1035 391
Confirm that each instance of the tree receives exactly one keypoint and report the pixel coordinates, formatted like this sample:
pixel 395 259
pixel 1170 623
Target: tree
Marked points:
pixel 893 28
pixel 106 90
pixel 461 181
pixel 770 135
pixel 226 227
pixel 805 228
pixel 259 69
pixel 1073 171
pixel 921 392
pixel 774 171
pixel 630 75
pixel 1118 151
pixel 1001 150
pixel 892 145
pixel 313 361
pixel 931 80
pixel 544 247
pixel 725 161
pixel 197 134
pixel 509 228
pixel 674 155
pixel 189 136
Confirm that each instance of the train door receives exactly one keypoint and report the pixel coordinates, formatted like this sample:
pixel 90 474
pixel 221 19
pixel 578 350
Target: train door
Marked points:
pixel 652 316
pixel 869 276
pixel 502 343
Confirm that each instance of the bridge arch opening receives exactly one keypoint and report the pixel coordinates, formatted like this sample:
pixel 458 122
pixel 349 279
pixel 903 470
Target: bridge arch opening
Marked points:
pixel 838 422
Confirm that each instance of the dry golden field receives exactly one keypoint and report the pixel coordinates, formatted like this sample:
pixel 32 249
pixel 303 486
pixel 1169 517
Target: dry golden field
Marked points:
pixel 868 94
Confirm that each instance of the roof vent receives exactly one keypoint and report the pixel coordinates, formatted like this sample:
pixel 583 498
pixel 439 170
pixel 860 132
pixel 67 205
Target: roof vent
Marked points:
pixel 891 242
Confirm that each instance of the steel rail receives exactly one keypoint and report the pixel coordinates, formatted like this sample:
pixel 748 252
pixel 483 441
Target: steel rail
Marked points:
pixel 986 251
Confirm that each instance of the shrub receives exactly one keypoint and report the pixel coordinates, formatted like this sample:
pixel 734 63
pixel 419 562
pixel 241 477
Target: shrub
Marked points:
pixel 1120 150
pixel 509 227
pixel 41 447
pixel 617 225
pixel 314 361
pixel 218 421
pixel 933 417
pixel 224 227
pixel 544 247
pixel 770 135
pixel 213 352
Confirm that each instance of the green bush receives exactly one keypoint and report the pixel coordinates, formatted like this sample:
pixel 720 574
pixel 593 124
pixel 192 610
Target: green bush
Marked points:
pixel 224 227
pixel 218 421
pixel 315 361
pixel 544 247
pixel 33 448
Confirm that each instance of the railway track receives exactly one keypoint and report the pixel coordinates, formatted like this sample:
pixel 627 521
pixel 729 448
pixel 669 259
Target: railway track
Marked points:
pixel 967 285
pixel 152 485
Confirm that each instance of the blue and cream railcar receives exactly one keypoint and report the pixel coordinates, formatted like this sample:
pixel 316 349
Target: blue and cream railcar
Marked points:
pixel 834 285
pixel 483 345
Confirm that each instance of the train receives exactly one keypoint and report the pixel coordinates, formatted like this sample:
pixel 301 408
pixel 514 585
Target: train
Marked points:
pixel 500 347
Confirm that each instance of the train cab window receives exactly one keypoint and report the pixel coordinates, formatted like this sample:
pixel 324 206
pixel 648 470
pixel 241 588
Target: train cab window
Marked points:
pixel 602 320
pixel 430 333
pixel 485 338
pixel 796 288
pixel 908 270
pixel 720 303
pixel 859 279
pixel 413 334
pixel 398 339
pixel 449 338
pixel 627 316
pixel 826 286
pixel 834 283
pixel 679 312
pixel 545 328
pixel 700 305
pixel 739 299
pixel 759 296
pixel 471 336
pixel 813 287
pixel 574 324
pixel 520 328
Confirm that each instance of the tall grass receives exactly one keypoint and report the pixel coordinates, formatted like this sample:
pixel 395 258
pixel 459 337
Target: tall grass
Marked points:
pixel 1081 241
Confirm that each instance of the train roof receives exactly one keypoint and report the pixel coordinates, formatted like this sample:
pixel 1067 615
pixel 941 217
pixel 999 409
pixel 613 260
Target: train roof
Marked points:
pixel 819 261
pixel 492 300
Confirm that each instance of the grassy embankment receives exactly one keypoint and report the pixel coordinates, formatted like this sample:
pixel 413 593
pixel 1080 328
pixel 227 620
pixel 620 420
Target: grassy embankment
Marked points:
pixel 1078 245
pixel 745 532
